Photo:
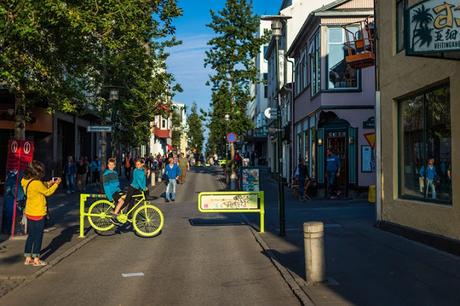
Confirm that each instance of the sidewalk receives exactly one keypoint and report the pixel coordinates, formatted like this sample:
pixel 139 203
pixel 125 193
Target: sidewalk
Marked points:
pixel 57 244
pixel 364 265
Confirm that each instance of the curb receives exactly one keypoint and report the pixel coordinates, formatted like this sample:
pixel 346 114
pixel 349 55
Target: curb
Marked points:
pixel 285 273
pixel 51 264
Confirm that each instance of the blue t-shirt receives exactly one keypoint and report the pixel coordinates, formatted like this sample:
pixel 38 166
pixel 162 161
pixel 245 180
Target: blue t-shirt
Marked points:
pixel 139 179
pixel 332 163
pixel 172 173
pixel 111 183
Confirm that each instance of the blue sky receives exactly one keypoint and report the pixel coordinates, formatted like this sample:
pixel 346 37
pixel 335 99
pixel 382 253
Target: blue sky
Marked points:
pixel 186 61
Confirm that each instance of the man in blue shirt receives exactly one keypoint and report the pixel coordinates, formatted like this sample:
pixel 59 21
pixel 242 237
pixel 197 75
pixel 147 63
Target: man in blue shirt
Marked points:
pixel 111 183
pixel 332 169
pixel 172 173
pixel 431 176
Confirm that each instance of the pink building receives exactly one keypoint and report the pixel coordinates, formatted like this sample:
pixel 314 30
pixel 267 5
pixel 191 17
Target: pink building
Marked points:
pixel 333 103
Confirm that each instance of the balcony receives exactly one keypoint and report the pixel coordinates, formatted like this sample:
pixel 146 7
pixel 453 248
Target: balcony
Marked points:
pixel 163 134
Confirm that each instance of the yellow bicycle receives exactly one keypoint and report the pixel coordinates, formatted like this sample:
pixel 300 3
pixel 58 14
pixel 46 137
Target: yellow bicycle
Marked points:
pixel 147 219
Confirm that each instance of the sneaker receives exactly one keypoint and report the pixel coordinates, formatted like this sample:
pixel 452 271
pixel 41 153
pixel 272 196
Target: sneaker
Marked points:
pixel 167 201
pixel 174 200
pixel 114 220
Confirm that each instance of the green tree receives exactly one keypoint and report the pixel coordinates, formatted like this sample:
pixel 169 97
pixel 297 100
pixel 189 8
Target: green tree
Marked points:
pixel 69 54
pixel 178 129
pixel 195 130
pixel 231 56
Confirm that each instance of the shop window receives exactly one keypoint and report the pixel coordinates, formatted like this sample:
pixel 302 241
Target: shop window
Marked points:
pixel 400 9
pixel 340 74
pixel 425 146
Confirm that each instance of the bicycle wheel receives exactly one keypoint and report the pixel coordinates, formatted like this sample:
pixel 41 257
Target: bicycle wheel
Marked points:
pixel 148 220
pixel 99 215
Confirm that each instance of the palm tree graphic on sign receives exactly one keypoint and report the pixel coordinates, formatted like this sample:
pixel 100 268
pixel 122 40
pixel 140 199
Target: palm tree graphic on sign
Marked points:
pixel 421 34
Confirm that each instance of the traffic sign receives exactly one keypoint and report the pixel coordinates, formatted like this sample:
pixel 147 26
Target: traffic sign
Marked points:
pixel 20 154
pixel 271 113
pixel 99 128
pixel 232 137
pixel 370 138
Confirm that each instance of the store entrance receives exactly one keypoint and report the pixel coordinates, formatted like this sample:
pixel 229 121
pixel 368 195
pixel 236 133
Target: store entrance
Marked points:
pixel 336 141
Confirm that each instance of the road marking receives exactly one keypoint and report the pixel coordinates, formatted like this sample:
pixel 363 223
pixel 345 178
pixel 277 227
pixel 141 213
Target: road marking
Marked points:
pixel 132 274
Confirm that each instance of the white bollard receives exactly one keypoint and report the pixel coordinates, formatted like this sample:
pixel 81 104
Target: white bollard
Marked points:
pixel 315 267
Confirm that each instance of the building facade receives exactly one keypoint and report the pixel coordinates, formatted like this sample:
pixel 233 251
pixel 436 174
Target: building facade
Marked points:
pixel 257 138
pixel 298 10
pixel 334 103
pixel 420 117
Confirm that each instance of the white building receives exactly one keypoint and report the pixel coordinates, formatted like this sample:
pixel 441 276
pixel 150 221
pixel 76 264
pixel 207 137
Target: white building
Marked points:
pixel 257 138
pixel 162 128
pixel 298 10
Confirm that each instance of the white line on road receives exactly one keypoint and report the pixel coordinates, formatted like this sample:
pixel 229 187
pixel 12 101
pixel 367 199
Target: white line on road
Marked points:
pixel 132 274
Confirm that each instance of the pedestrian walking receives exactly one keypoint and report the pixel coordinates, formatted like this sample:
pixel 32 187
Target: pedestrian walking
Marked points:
pixel 128 164
pixel 301 174
pixel 172 173
pixel 82 171
pixel 96 169
pixel 70 170
pixel 184 167
pixel 332 171
pixel 36 208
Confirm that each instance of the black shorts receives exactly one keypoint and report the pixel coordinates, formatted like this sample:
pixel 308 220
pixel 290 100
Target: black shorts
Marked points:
pixel 117 195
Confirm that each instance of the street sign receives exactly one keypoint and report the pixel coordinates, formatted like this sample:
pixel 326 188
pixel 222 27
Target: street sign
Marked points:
pixel 233 202
pixel 99 128
pixel 370 138
pixel 232 137
pixel 20 154
pixel 267 112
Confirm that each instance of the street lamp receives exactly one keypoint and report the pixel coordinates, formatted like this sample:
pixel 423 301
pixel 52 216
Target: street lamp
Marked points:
pixel 277 22
pixel 227 119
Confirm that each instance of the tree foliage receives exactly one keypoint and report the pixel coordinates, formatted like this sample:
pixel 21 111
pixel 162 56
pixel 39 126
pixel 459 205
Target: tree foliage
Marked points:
pixel 231 57
pixel 70 53
pixel 195 130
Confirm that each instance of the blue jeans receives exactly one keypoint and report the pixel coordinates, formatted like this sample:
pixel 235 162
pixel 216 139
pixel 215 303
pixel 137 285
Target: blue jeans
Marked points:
pixel 70 182
pixel 301 186
pixel 171 190
pixel 430 185
pixel 35 238
pixel 331 178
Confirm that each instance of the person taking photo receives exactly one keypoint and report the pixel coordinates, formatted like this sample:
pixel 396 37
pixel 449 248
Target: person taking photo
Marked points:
pixel 36 191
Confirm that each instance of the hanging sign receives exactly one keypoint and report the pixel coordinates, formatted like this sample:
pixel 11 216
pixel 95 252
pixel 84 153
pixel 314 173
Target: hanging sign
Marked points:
pixel 250 179
pixel 433 28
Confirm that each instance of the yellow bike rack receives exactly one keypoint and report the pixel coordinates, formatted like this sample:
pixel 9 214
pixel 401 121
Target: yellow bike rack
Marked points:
pixel 83 198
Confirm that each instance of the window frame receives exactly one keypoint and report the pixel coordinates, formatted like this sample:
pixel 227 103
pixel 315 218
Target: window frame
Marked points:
pixel 314 48
pixel 421 92
pixel 399 31
pixel 358 87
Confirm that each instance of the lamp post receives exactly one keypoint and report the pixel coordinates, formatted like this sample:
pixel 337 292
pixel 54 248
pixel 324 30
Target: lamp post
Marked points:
pixel 277 22
pixel 227 119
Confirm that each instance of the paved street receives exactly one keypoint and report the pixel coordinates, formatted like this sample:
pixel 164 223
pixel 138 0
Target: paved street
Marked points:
pixel 197 260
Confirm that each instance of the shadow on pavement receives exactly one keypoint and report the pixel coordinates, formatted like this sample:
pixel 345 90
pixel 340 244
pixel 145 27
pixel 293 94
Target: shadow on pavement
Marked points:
pixel 64 237
pixel 12 259
pixel 215 222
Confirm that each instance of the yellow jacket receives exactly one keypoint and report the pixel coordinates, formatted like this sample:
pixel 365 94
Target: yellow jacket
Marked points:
pixel 36 193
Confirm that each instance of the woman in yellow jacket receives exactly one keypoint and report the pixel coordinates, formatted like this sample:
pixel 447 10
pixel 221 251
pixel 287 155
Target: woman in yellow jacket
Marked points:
pixel 36 191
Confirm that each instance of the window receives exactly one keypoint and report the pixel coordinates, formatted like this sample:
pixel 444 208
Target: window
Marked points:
pixel 400 9
pixel 340 75
pixel 163 123
pixel 265 85
pixel 315 63
pixel 425 146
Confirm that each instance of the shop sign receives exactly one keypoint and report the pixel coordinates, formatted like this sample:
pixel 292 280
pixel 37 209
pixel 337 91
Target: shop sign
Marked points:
pixel 99 129
pixel 20 154
pixel 433 26
pixel 369 123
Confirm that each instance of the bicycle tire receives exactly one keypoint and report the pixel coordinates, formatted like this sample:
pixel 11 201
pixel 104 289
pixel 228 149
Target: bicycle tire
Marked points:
pixel 148 220
pixel 98 215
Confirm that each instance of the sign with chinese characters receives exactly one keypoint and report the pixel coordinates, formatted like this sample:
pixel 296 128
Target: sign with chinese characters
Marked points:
pixel 433 26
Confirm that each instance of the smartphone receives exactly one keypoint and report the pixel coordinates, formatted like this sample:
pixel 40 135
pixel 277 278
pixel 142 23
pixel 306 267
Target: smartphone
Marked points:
pixel 54 179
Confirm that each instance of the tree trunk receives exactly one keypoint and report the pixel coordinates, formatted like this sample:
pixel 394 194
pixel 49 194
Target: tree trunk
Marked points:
pixel 20 116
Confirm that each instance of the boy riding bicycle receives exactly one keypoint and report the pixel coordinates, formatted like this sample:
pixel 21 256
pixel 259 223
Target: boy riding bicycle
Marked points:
pixel 111 183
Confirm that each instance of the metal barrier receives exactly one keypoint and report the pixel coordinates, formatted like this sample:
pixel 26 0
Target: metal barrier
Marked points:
pixel 233 202
pixel 83 198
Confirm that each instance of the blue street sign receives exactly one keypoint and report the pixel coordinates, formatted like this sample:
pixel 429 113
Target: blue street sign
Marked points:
pixel 232 137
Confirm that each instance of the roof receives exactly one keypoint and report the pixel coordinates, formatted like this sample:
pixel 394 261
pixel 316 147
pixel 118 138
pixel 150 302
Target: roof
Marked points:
pixel 327 11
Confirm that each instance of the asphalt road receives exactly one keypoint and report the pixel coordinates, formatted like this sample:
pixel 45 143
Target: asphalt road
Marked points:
pixel 197 260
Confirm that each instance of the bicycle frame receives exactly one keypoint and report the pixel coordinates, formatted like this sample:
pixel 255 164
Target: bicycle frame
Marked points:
pixel 124 214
